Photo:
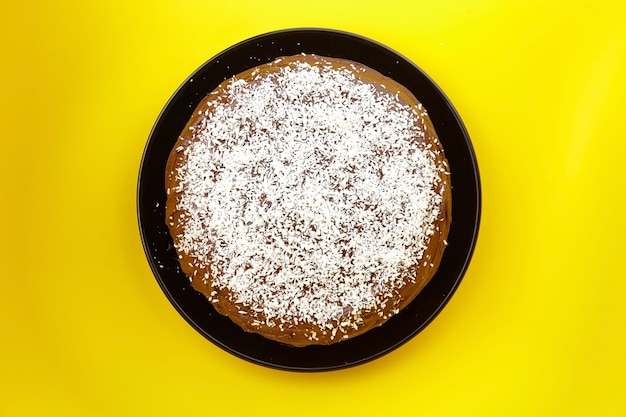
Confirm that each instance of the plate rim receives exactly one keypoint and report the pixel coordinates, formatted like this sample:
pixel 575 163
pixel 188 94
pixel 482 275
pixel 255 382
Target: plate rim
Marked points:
pixel 475 226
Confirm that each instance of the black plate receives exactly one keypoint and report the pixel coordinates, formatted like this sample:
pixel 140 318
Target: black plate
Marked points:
pixel 197 310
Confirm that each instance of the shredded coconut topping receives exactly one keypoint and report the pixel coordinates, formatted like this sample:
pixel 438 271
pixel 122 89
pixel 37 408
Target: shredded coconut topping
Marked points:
pixel 307 193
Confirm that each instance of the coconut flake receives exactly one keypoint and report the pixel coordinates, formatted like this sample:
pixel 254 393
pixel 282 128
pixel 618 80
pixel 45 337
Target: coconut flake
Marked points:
pixel 307 193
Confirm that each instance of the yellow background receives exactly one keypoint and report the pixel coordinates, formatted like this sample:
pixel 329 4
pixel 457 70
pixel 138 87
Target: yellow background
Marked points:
pixel 538 325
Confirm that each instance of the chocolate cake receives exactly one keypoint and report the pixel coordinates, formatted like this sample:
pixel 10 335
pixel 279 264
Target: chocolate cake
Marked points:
pixel 309 199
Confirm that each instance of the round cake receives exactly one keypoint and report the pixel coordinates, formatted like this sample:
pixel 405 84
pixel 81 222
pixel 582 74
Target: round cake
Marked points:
pixel 309 199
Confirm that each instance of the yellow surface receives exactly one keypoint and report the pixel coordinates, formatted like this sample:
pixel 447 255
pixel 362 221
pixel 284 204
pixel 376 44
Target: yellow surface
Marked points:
pixel 538 326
